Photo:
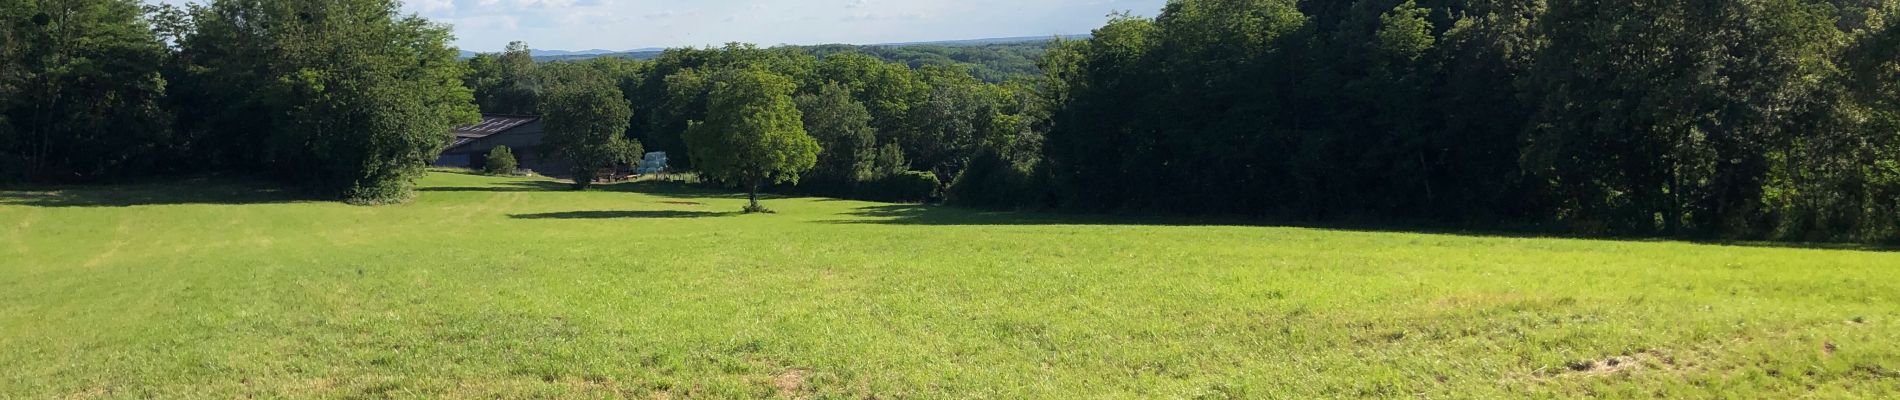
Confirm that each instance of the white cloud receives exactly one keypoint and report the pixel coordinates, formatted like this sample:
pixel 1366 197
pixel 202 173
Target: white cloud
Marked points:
pixel 429 6
pixel 590 17
pixel 665 14
pixel 485 22
pixel 882 17
pixel 544 3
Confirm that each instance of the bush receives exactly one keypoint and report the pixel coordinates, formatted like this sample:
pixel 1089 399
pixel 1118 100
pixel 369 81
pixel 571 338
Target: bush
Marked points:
pixel 909 187
pixel 501 161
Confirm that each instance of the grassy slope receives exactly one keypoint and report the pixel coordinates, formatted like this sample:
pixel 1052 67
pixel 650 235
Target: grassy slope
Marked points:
pixel 489 286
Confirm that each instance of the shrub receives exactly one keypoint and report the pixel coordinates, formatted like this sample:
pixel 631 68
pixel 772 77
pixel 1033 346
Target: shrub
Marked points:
pixel 909 186
pixel 501 161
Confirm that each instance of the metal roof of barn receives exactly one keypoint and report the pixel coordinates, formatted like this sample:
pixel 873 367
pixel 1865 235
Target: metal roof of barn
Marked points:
pixel 493 124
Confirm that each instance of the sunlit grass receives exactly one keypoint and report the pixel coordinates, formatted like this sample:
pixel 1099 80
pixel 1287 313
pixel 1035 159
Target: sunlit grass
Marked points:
pixel 513 287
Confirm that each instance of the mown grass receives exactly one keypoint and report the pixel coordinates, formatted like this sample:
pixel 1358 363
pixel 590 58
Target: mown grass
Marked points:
pixel 503 287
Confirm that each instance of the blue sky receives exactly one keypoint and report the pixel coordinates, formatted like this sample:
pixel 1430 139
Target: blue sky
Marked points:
pixel 487 25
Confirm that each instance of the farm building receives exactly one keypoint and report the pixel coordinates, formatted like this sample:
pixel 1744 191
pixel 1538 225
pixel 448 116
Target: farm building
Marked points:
pixel 521 133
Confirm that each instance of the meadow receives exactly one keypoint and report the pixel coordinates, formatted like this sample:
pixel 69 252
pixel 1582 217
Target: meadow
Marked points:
pixel 487 287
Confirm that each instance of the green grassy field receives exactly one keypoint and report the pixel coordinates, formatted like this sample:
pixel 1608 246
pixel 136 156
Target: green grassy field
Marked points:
pixel 496 287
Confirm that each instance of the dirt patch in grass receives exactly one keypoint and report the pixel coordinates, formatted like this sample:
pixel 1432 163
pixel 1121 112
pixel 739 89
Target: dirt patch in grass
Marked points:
pixel 1614 364
pixel 93 393
pixel 790 382
pixel 683 203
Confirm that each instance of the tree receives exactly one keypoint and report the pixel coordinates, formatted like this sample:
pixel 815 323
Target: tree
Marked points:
pixel 671 91
pixel 753 134
pixel 587 125
pixel 957 118
pixel 348 98
pixel 80 90
pixel 501 161
pixel 1839 178
pixel 842 127
pixel 1661 117
pixel 888 161
pixel 887 90
pixel 506 82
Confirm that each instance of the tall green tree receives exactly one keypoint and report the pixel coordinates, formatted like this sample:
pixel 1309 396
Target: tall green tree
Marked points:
pixel 753 134
pixel 1660 116
pixel 1839 179
pixel 842 127
pixel 80 91
pixel 586 126
pixel 1096 140
pixel 672 90
pixel 353 99
pixel 887 90
pixel 949 124
pixel 1483 53
pixel 506 82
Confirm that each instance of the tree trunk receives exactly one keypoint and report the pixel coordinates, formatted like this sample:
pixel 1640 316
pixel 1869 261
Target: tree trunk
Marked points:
pixel 583 179
pixel 752 194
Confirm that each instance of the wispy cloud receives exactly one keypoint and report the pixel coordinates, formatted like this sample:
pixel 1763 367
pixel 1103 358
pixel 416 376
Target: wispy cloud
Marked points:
pixel 881 17
pixel 668 14
pixel 484 22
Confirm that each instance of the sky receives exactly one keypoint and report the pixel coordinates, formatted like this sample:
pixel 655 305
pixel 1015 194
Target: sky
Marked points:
pixel 487 25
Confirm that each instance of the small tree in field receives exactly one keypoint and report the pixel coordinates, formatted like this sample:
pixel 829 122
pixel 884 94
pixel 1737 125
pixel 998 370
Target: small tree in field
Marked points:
pixel 753 134
pixel 587 125
pixel 501 161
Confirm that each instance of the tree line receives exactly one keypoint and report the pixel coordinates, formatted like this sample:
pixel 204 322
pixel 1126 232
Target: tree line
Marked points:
pixel 989 62
pixel 1759 119
pixel 993 62
pixel 1767 119
pixel 884 130
pixel 348 99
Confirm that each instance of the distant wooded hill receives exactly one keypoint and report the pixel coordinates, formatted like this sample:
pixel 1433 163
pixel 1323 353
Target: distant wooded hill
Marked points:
pixel 992 60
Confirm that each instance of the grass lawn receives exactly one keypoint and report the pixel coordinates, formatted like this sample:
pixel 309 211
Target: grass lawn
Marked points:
pixel 500 287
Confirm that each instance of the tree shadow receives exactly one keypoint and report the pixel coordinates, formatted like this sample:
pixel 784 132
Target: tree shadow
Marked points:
pixel 212 191
pixel 507 187
pixel 675 190
pixel 680 190
pixel 922 214
pixel 671 189
pixel 657 214
pixel 918 214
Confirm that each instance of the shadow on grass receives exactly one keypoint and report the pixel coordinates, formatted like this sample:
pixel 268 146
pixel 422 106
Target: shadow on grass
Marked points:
pixel 680 190
pixel 672 189
pixel 506 187
pixel 216 191
pixel 662 214
pixel 920 214
pixel 917 214
pixel 662 189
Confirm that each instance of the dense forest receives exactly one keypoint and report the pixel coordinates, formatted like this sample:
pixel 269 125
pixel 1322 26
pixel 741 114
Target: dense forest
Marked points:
pixel 1763 119
pixel 998 61
pixel 875 120
pixel 348 99
pixel 1736 119
pixel 990 62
